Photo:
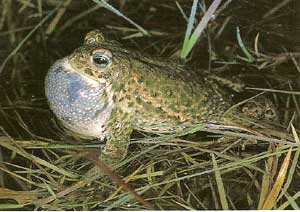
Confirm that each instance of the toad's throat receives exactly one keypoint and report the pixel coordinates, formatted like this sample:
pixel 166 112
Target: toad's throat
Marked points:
pixel 80 103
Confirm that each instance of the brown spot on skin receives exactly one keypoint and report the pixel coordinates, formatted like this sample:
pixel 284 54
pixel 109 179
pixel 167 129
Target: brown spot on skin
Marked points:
pixel 260 108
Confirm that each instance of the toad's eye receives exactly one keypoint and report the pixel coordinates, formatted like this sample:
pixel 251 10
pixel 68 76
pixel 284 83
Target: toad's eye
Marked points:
pixel 101 59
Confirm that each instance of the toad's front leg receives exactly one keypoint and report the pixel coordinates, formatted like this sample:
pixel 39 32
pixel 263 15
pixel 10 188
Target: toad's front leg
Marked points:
pixel 118 131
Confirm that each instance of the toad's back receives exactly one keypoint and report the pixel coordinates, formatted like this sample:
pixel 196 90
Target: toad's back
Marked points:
pixel 163 96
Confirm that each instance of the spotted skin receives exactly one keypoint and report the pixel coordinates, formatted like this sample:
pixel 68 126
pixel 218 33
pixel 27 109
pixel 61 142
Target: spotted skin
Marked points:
pixel 135 92
pixel 261 108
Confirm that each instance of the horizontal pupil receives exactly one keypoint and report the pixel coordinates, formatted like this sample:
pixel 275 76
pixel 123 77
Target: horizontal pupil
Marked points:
pixel 100 60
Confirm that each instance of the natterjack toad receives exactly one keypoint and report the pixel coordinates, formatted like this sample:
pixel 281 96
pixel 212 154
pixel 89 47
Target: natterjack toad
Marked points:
pixel 103 90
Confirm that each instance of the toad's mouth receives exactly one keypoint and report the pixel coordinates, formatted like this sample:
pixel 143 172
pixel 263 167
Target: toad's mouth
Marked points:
pixel 77 100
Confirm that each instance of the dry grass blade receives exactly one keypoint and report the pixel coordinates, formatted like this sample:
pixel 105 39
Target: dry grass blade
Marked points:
pixel 276 8
pixel 58 16
pixel 167 185
pixel 272 196
pixel 295 134
pixel 37 159
pixel 275 91
pixel 214 196
pixel 76 18
pixel 117 12
pixel 115 178
pixel 27 37
pixel 220 185
pixel 20 178
pixel 21 197
pixel 125 181
pixel 63 193
pixel 231 165
pixel 184 206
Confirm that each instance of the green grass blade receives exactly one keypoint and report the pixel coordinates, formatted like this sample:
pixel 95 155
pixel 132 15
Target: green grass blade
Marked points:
pixel 288 202
pixel 264 185
pixel 220 185
pixel 189 27
pixel 199 29
pixel 10 206
pixel 292 202
pixel 250 58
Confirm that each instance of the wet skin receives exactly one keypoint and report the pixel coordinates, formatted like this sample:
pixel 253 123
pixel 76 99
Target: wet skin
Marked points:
pixel 103 90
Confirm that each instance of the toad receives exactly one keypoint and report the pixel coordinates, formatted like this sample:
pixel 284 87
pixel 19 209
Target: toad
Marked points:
pixel 105 91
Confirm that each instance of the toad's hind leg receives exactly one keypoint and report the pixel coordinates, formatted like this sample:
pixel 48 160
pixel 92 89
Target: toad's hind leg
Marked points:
pixel 261 108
